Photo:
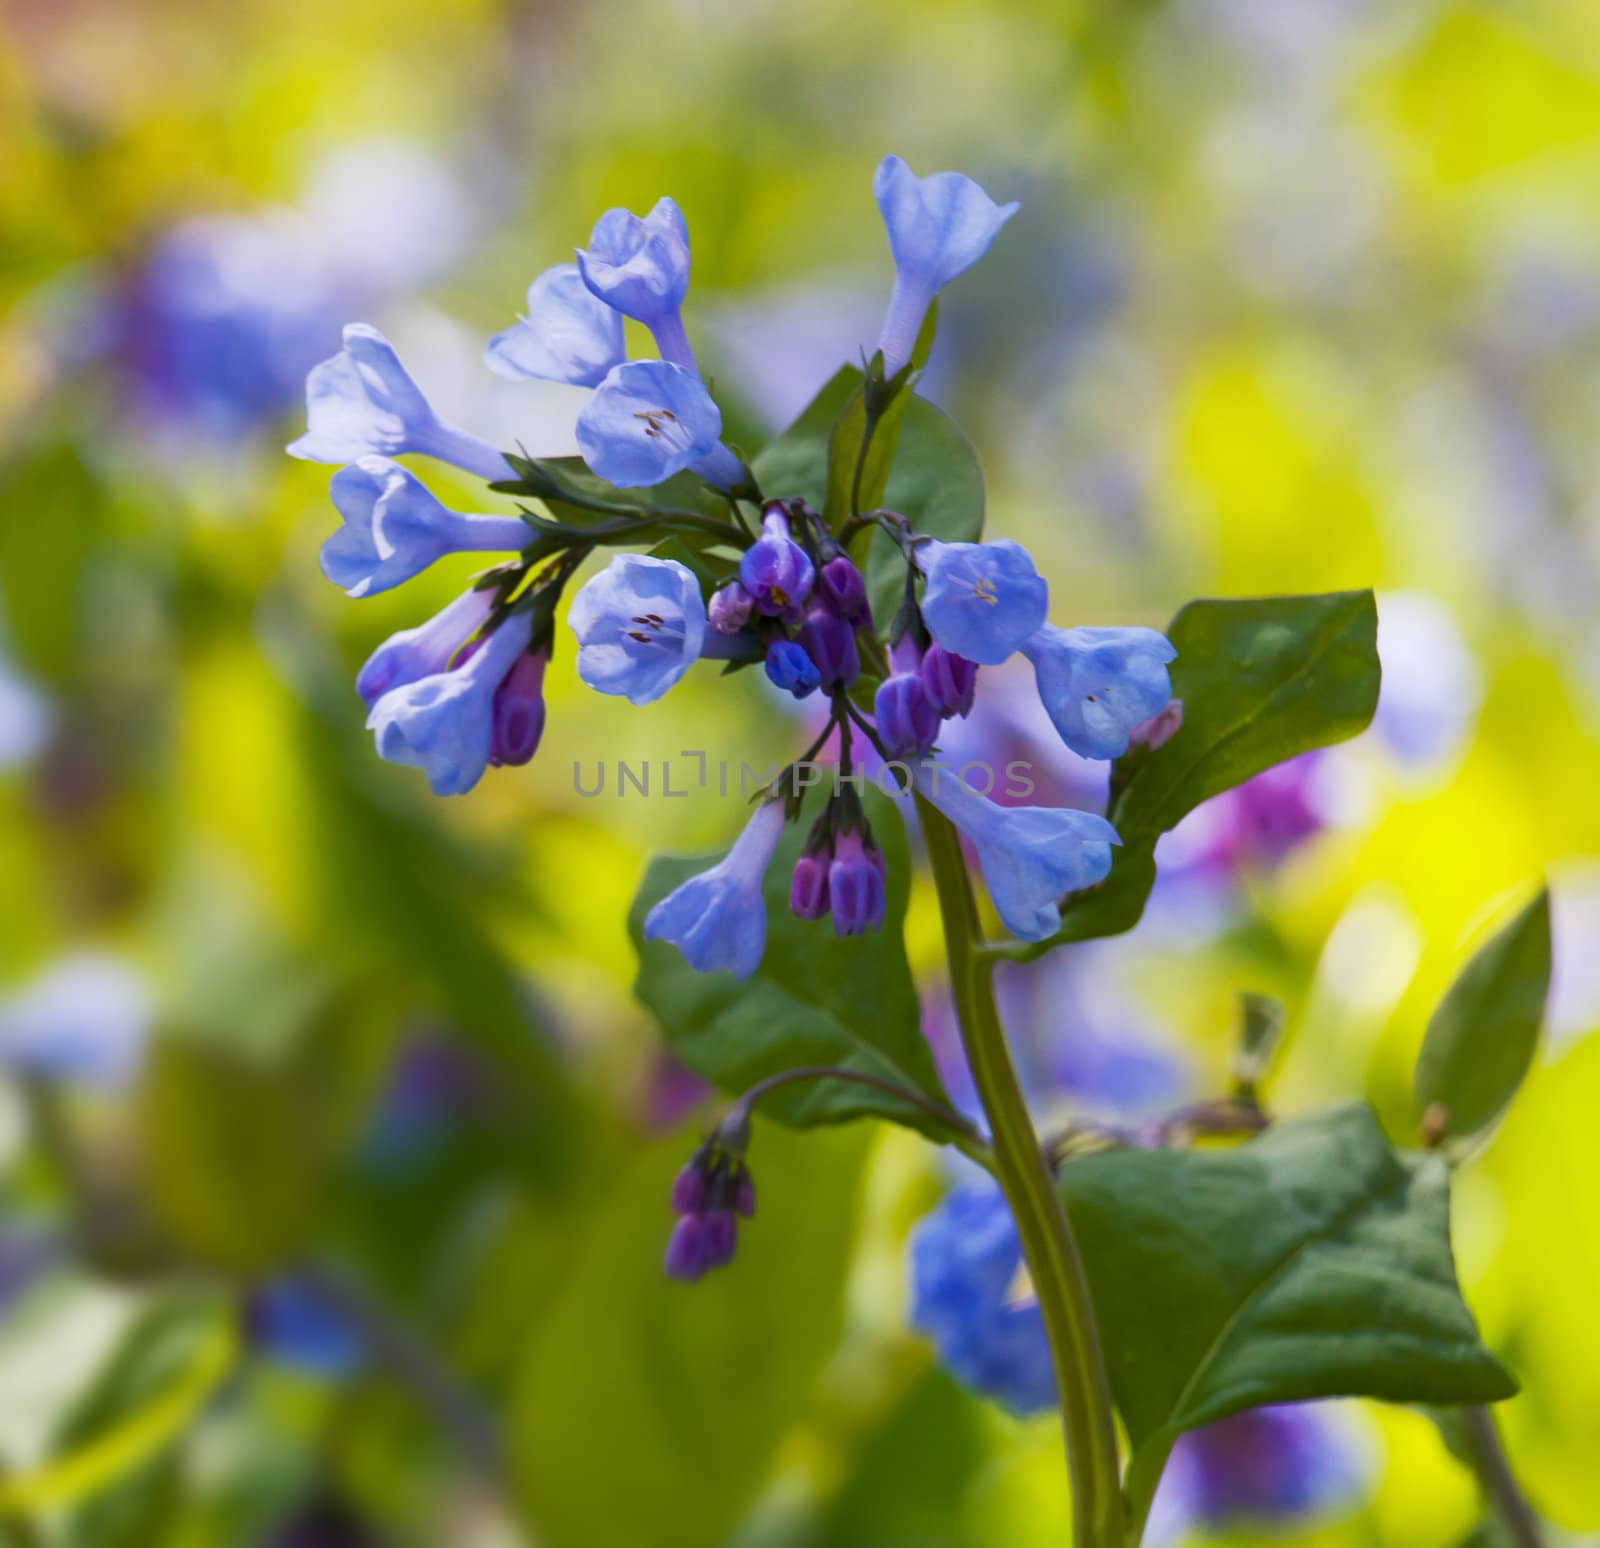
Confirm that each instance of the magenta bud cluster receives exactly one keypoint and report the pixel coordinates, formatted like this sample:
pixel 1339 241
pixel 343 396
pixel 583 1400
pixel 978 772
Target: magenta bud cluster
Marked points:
pixel 709 1194
pixel 842 873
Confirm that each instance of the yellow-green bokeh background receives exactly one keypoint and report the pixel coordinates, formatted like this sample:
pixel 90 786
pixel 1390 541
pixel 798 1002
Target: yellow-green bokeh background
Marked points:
pixel 1320 377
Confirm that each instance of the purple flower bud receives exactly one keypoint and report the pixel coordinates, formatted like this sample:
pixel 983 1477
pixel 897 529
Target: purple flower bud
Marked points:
pixel 908 724
pixel 808 891
pixel 689 1189
pixel 831 644
pixel 686 1257
pixel 950 681
pixel 744 1196
pixel 776 570
pixel 855 885
pixel 791 669
pixel 841 587
pixel 729 609
pixel 519 710
pixel 719 1237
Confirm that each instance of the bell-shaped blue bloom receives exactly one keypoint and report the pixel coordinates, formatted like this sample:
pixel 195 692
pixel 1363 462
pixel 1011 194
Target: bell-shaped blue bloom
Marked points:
pixel 641 624
pixel 290 1319
pixel 1264 1468
pixel 938 227
pixel 983 600
pixel 718 919
pixel 428 648
pixel 641 267
pixel 444 724
pixel 776 571
pixel 1031 856
pixel 567 334
pixel 362 402
pixel 648 420
pixel 966 1261
pixel 1098 684
pixel 394 529
pixel 790 668
pixel 87 1018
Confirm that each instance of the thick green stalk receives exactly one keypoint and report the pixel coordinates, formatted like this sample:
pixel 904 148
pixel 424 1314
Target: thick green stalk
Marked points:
pixel 1025 1178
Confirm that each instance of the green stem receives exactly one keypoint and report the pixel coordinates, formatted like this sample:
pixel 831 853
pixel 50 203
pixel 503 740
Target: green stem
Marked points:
pixel 1499 1483
pixel 1025 1178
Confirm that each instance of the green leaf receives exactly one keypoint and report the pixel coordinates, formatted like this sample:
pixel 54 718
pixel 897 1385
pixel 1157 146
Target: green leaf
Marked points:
pixel 1312 1262
pixel 815 999
pixel 651 1412
pixel 794 464
pixel 1261 681
pixel 1482 1038
pixel 937 484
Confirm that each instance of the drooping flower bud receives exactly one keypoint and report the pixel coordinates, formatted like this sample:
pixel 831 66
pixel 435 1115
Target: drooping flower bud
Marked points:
pixel 950 681
pixel 712 1189
pixel 855 884
pixel 686 1249
pixel 776 570
pixel 689 1189
pixel 519 712
pixel 729 608
pixel 840 585
pixel 792 669
pixel 831 643
pixel 721 1237
pixel 908 725
pixel 808 890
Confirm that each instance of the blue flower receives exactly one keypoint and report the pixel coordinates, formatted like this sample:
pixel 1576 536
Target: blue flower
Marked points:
pixel 1031 856
pixel 855 885
pixel 968 1295
pixel 1098 684
pixel 718 919
pixel 938 227
pixel 775 570
pixel 428 648
pixel 363 401
pixel 983 600
pixel 908 725
pixel 641 624
pixel 25 718
pixel 444 723
pixel 292 1321
pixel 648 420
pixel 641 267
pixel 831 644
pixel 1262 1468
pixel 87 1018
pixel 791 669
pixel 566 335
pixel 394 528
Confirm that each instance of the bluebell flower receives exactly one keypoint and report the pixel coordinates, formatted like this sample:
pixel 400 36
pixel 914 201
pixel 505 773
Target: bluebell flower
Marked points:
pixel 567 334
pixel 362 401
pixel 938 227
pixel 950 682
pixel 641 624
pixel 776 571
pixel 428 648
pixel 718 919
pixel 519 710
pixel 394 528
pixel 444 723
pixel 983 600
pixel 87 1018
pixel 641 267
pixel 1098 684
pixel 856 885
pixel 831 644
pixel 1264 1468
pixel 730 607
pixel 969 1295
pixel 808 887
pixel 648 420
pixel 791 669
pixel 908 725
pixel 1031 856
pixel 291 1320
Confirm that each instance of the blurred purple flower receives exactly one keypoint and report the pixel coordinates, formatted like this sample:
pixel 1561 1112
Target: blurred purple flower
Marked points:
pixel 86 1018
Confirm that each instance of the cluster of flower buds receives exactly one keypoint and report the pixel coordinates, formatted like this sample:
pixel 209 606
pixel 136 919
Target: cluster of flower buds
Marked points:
pixel 712 1190
pixel 928 686
pixel 841 870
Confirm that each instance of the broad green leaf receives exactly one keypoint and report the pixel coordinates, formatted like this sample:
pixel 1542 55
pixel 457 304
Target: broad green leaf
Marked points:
pixel 858 475
pixel 1261 681
pixel 815 999
pixel 1312 1262
pixel 650 1412
pixel 937 485
pixel 794 464
pixel 1483 1036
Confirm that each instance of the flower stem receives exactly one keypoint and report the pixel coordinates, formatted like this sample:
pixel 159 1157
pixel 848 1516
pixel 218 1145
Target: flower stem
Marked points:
pixel 1493 1467
pixel 1024 1176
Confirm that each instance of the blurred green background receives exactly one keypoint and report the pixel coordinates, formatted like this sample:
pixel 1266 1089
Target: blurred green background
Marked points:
pixel 1305 294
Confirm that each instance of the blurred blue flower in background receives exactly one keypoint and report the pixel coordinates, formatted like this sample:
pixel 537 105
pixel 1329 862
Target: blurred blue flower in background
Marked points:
pixel 567 334
pixel 86 1018
pixel 289 1319
pixel 25 716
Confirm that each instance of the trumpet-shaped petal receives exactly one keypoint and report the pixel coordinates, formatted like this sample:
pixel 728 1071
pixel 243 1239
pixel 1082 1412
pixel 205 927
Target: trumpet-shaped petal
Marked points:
pixel 641 624
pixel 1031 856
pixel 1099 684
pixel 639 266
pixel 776 571
pixel 444 724
pixel 718 919
pixel 648 420
pixel 428 648
pixel 983 600
pixel 363 402
pixel 939 226
pixel 567 334
pixel 394 529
